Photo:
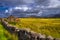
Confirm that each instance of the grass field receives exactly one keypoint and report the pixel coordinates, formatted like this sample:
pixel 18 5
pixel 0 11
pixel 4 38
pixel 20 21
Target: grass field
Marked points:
pixel 5 35
pixel 44 26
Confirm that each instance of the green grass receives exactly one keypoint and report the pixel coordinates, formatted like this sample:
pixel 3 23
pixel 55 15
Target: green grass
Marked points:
pixel 45 26
pixel 5 35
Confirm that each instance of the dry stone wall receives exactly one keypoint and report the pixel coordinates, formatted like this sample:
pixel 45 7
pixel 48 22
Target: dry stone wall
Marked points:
pixel 26 34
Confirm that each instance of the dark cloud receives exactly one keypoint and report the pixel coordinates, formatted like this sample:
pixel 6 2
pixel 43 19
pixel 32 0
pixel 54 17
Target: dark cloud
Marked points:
pixel 18 2
pixel 48 8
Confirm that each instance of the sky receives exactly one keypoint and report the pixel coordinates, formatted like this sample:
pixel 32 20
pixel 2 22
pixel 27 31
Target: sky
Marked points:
pixel 46 8
pixel 53 3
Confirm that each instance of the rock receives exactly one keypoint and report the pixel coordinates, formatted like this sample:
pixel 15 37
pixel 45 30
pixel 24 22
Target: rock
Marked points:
pixel 17 30
pixel 22 34
pixel 56 38
pixel 27 29
pixel 49 38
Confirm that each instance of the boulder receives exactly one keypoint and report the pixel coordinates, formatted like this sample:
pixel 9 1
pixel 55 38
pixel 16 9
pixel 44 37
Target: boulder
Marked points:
pixel 49 38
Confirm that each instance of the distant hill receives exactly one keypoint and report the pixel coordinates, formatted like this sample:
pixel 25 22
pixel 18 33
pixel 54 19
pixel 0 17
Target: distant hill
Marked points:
pixel 57 16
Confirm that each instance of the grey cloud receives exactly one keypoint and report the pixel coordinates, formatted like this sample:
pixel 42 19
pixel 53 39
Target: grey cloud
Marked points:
pixel 18 2
pixel 45 6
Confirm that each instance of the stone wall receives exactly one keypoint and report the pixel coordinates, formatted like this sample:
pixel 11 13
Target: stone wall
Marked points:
pixel 26 34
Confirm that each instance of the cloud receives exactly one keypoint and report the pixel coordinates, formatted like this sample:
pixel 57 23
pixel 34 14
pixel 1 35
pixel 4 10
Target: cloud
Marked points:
pixel 24 8
pixel 29 1
pixel 17 1
pixel 54 4
pixel 46 7
pixel 6 11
